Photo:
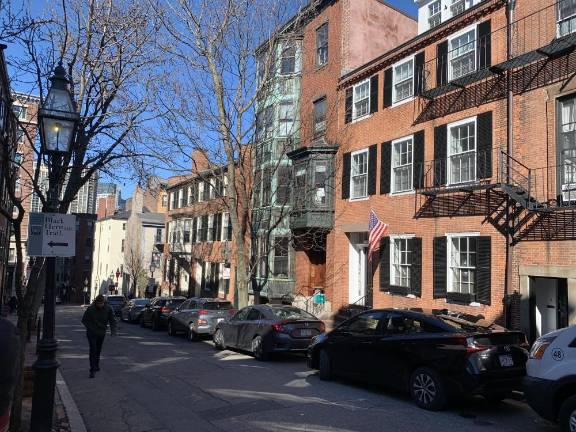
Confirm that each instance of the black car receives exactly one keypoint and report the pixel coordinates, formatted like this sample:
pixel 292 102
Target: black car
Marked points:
pixel 267 329
pixel 116 302
pixel 431 356
pixel 132 310
pixel 156 313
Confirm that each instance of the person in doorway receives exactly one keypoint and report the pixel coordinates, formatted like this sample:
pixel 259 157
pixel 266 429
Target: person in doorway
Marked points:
pixel 96 319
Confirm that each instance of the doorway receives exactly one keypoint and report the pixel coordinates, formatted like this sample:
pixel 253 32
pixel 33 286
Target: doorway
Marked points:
pixel 548 304
pixel 358 269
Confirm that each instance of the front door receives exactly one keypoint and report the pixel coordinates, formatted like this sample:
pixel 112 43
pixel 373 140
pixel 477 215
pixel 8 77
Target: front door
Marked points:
pixel 550 304
pixel 358 270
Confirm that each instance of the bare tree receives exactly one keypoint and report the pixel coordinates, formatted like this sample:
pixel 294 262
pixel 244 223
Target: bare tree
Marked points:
pixel 108 49
pixel 135 268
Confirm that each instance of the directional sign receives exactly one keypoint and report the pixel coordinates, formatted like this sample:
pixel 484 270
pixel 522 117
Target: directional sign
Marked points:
pixel 52 235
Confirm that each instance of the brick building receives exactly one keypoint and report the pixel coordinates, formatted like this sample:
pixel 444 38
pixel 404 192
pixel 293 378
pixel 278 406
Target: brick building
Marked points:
pixel 461 139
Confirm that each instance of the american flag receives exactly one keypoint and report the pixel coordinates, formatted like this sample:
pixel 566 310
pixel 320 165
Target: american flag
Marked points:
pixel 377 230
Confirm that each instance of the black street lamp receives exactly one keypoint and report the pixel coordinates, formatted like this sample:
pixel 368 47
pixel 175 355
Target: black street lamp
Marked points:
pixel 58 121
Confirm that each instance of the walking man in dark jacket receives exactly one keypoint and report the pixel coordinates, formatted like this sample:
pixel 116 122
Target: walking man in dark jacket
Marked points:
pixel 96 319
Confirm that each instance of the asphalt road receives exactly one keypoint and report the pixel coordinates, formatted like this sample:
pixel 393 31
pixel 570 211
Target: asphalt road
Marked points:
pixel 150 381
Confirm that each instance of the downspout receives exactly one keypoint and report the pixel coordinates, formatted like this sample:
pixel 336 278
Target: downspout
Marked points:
pixel 509 150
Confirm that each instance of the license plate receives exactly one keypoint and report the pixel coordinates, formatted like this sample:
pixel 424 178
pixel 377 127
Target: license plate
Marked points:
pixel 305 332
pixel 506 361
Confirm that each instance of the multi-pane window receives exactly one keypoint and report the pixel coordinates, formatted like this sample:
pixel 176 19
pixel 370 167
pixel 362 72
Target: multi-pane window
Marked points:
pixel 567 148
pixel 203 228
pixel 187 231
pixel 434 13
pixel 198 229
pixel 286 114
pixel 286 86
pixel 566 17
pixel 158 236
pixel 401 260
pixel 462 152
pixel 288 60
pixel 210 233
pixel 281 257
pixel 267 186
pixel 462 262
pixel 457 7
pixel 174 200
pixel 283 185
pixel 20 111
pixel 359 175
pixel 403 80
pixel 320 180
pixel 183 197
pixel 300 187
pixel 322 45
pixel 402 165
pixel 164 200
pixel 265 122
pixel 463 54
pixel 361 99
pixel 206 191
pixel 320 116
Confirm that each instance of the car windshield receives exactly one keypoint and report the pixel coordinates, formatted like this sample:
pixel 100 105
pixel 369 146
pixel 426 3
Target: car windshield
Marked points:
pixel 217 305
pixel 141 302
pixel 292 313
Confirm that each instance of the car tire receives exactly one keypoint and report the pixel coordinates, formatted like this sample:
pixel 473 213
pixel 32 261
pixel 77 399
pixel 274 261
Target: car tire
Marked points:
pixel 567 415
pixel 192 335
pixel 427 389
pixel 258 350
pixel 218 338
pixel 324 366
pixel 171 331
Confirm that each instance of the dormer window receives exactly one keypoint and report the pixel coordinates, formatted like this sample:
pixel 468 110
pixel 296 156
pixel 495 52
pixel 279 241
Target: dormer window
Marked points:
pixel 435 13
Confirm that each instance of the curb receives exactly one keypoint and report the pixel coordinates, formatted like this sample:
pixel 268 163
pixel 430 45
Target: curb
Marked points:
pixel 74 418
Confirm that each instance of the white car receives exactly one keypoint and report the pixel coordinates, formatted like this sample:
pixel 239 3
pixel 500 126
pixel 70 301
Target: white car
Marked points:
pixel 550 383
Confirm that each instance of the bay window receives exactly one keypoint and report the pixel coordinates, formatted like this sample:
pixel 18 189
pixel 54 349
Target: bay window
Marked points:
pixel 322 45
pixel 286 115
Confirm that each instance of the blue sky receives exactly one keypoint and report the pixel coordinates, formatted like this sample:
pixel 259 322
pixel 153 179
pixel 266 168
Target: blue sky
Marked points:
pixel 407 6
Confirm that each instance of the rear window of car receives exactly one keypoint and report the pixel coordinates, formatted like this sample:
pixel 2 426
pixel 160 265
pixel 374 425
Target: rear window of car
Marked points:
pixel 292 313
pixel 141 302
pixel 173 302
pixel 217 305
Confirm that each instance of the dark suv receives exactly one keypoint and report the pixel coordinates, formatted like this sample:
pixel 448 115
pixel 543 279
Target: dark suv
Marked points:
pixel 156 313
pixel 116 302
pixel 431 356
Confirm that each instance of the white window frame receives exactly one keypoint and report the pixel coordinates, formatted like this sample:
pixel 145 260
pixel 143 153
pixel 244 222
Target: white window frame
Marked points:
pixel 449 273
pixel 393 168
pixel 355 115
pixel 396 101
pixel 473 27
pixel 356 153
pixel 393 239
pixel 453 3
pixel 449 154
pixel 569 19
pixel 210 228
pixel 198 229
pixel 432 16
pixel 200 191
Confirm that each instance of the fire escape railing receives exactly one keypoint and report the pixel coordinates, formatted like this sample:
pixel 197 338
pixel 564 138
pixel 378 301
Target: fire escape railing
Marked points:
pixel 475 56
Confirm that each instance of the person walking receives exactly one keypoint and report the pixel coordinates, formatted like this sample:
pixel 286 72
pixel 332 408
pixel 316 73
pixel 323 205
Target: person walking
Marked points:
pixel 96 319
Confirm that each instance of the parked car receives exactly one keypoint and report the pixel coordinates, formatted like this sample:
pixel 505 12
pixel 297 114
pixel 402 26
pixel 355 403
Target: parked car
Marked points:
pixel 550 384
pixel 116 302
pixel 267 329
pixel 198 316
pixel 156 313
pixel 430 356
pixel 132 310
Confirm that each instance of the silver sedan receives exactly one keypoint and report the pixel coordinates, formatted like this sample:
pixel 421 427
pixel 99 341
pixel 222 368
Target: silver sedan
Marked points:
pixel 198 316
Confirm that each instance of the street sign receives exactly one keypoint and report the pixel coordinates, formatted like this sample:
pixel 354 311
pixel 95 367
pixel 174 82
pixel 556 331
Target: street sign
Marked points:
pixel 51 235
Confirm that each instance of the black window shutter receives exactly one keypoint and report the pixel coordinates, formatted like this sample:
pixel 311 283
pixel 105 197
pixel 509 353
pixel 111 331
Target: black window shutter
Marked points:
pixel 442 64
pixel 416 268
pixel 484 145
pixel 440 153
pixel 388 87
pixel 374 94
pixel 484 44
pixel 346 165
pixel 385 264
pixel 349 97
pixel 484 270
pixel 385 167
pixel 418 163
pixel 194 225
pixel 419 73
pixel 372 167
pixel 440 267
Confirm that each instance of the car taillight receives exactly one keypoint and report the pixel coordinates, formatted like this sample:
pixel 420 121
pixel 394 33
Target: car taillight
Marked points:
pixel 231 312
pixel 203 312
pixel 472 346
pixel 540 346
pixel 279 327
pixel 165 309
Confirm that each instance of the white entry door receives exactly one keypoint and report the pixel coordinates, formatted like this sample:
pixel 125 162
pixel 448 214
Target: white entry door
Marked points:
pixel 357 271
pixel 546 292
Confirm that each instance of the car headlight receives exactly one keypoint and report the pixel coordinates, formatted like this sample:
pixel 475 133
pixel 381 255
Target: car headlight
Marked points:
pixel 537 351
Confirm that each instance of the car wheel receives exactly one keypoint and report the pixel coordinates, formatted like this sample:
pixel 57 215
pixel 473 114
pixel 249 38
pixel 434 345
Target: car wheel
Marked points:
pixel 567 415
pixel 325 366
pixel 171 331
pixel 192 335
pixel 427 389
pixel 219 340
pixel 258 350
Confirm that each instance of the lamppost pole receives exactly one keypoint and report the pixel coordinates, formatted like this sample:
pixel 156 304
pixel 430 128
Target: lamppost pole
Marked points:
pixel 57 120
